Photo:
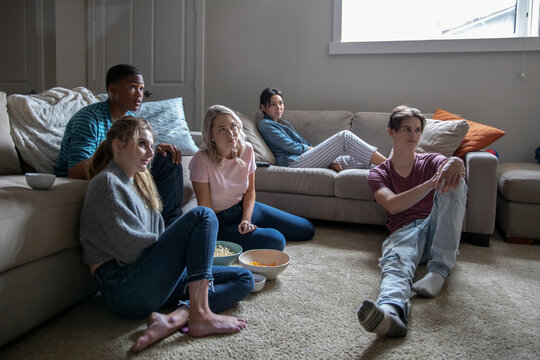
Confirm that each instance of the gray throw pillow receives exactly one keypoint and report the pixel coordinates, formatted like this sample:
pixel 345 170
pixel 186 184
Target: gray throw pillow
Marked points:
pixel 169 123
pixel 442 137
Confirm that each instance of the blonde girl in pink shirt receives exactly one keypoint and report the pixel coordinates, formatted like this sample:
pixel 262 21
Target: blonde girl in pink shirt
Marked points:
pixel 223 177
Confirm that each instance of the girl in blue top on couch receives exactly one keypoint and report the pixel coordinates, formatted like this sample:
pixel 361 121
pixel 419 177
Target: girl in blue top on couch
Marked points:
pixel 343 150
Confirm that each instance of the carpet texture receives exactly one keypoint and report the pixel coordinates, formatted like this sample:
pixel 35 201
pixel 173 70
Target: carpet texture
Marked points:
pixel 488 309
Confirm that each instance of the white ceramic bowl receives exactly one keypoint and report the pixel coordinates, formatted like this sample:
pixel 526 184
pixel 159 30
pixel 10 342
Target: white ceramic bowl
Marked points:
pixel 266 257
pixel 260 280
pixel 39 181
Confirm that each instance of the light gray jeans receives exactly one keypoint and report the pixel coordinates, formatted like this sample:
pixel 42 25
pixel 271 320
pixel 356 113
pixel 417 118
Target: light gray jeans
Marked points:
pixel 434 240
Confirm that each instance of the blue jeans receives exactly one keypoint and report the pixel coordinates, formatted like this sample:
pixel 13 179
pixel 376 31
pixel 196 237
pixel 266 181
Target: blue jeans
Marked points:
pixel 169 179
pixel 273 227
pixel 159 279
pixel 434 240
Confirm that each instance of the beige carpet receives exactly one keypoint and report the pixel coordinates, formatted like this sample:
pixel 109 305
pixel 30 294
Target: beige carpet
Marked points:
pixel 488 309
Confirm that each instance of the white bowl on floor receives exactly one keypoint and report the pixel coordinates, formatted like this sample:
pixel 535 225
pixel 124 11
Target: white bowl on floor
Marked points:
pixel 260 280
pixel 273 262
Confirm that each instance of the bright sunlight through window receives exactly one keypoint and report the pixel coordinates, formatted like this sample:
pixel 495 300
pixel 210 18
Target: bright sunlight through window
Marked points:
pixel 397 20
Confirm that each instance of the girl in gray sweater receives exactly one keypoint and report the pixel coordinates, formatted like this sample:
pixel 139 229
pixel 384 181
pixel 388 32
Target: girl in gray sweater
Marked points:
pixel 139 266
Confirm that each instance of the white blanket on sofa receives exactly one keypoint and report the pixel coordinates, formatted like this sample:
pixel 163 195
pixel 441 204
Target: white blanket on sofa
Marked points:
pixel 38 122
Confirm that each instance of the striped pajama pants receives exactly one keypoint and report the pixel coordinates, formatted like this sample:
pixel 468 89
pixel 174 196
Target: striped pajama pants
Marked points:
pixel 347 149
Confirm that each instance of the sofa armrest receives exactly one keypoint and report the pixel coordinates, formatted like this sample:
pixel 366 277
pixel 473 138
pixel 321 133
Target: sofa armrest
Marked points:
pixel 481 170
pixel 197 137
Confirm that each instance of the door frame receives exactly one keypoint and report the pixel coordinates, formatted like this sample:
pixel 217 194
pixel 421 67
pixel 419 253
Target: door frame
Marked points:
pixel 199 6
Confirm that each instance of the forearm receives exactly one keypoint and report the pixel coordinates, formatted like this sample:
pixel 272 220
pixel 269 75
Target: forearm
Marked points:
pixel 395 203
pixel 248 202
pixel 79 171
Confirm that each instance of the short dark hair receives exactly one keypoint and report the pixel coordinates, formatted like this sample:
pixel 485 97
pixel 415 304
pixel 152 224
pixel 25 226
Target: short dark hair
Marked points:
pixel 267 94
pixel 120 72
pixel 403 112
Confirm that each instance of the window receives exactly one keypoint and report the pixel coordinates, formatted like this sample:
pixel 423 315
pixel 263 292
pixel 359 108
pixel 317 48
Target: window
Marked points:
pixel 385 26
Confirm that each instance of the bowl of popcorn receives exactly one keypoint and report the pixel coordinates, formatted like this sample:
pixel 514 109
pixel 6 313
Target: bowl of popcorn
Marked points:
pixel 226 253
pixel 267 262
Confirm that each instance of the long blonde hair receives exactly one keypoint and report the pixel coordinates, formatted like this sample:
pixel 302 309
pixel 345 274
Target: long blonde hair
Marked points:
pixel 125 129
pixel 210 147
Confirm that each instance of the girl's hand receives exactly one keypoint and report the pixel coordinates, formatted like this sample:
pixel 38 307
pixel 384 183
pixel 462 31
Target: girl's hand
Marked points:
pixel 246 227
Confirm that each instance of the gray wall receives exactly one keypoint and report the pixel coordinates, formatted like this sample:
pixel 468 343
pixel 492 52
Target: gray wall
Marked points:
pixel 70 43
pixel 250 45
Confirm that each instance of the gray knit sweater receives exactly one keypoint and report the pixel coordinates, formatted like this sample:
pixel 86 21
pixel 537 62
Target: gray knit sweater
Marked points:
pixel 115 223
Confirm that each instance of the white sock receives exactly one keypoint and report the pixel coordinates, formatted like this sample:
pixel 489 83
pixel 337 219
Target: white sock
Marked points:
pixel 430 285
pixel 382 320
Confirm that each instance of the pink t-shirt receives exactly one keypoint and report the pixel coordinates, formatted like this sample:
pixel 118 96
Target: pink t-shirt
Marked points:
pixel 228 182
pixel 384 175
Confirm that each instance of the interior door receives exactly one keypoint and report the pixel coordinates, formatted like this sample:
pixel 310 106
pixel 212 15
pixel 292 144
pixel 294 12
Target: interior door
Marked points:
pixel 27 63
pixel 156 36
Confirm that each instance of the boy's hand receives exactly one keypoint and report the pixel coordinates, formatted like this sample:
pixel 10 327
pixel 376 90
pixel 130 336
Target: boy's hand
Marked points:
pixel 449 175
pixel 176 155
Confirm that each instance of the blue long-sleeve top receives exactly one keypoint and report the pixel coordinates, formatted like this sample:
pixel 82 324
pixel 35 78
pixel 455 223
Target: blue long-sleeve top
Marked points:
pixel 283 140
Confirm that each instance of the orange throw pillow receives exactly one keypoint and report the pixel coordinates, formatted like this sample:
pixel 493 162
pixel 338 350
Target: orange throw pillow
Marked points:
pixel 478 137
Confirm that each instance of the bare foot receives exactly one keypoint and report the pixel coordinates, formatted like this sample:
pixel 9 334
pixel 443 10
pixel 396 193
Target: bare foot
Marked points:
pixel 215 324
pixel 160 326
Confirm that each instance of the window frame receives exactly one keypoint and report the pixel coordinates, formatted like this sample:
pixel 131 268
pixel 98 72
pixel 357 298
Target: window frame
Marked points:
pixel 336 47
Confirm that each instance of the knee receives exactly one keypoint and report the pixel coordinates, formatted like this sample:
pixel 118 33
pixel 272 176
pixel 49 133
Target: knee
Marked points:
pixel 274 239
pixel 345 134
pixel 205 214
pixel 165 163
pixel 459 192
pixel 395 263
pixel 306 231
pixel 245 277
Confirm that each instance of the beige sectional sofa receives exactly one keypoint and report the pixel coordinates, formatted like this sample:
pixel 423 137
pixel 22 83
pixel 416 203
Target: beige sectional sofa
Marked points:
pixel 346 196
pixel 518 202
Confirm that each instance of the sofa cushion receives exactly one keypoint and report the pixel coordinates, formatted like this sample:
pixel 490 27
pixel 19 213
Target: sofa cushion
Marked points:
pixel 37 223
pixel 478 137
pixel 9 162
pixel 442 137
pixel 372 127
pixel 308 181
pixel 169 123
pixel 262 152
pixel 520 182
pixel 352 184
pixel 317 126
pixel 189 193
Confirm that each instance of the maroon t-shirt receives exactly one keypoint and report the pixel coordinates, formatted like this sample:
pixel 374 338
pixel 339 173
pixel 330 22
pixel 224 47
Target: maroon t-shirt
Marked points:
pixel 384 175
